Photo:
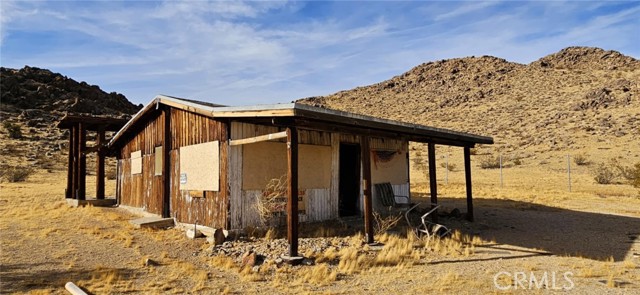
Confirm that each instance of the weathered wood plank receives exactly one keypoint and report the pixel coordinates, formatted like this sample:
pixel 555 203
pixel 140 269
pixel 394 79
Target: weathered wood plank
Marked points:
pixel 259 138
pixel 292 191
pixel 467 178
pixel 366 188
pixel 433 184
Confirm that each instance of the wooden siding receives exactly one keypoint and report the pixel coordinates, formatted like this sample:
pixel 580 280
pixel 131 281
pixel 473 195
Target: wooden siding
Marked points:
pixel 145 190
pixel 242 202
pixel 142 190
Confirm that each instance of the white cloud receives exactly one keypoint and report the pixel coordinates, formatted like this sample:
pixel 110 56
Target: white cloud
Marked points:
pixel 268 51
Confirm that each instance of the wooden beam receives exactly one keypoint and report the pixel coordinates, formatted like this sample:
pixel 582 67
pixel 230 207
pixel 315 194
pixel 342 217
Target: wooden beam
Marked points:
pixel 74 181
pixel 292 191
pixel 68 193
pixel 82 162
pixel 365 154
pixel 467 178
pixel 100 164
pixel 166 164
pixel 433 184
pixel 260 138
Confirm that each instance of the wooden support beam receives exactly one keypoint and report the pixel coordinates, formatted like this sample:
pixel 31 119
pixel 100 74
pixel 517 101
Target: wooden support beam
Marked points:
pixel 365 154
pixel 260 138
pixel 76 159
pixel 292 191
pixel 68 193
pixel 166 164
pixel 433 184
pixel 82 162
pixel 100 164
pixel 467 178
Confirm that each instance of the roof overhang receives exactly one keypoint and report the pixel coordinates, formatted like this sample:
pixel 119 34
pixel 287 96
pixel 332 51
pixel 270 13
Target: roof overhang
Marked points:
pixel 311 117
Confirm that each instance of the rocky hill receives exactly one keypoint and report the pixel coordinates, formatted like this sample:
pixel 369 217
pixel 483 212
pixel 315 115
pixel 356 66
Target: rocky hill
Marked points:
pixel 33 100
pixel 577 98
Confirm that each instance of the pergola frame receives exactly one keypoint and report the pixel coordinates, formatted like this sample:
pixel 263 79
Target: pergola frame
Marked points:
pixel 78 127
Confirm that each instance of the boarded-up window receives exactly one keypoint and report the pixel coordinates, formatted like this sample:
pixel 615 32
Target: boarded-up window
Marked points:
pixel 264 161
pixel 136 162
pixel 158 160
pixel 200 167
pixel 389 166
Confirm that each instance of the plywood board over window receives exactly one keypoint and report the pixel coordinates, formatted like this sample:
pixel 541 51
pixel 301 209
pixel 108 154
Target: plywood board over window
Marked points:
pixel 389 166
pixel 158 160
pixel 264 161
pixel 136 162
pixel 200 167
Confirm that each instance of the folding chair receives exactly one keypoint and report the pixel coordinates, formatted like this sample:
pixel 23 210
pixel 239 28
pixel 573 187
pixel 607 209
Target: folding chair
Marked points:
pixel 427 227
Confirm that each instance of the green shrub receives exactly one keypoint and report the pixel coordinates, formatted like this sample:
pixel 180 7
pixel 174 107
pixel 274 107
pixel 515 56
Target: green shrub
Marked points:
pixel 14 130
pixel 17 173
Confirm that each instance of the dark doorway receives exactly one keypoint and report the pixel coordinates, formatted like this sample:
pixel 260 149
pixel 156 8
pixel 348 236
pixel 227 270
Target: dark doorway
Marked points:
pixel 349 179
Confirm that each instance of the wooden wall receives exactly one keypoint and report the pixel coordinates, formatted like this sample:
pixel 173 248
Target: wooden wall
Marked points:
pixel 145 190
pixel 142 190
pixel 321 204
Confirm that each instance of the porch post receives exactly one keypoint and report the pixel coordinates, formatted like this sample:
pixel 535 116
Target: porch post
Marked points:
pixel 100 164
pixel 366 188
pixel 69 192
pixel 166 164
pixel 292 191
pixel 432 179
pixel 76 160
pixel 467 177
pixel 82 162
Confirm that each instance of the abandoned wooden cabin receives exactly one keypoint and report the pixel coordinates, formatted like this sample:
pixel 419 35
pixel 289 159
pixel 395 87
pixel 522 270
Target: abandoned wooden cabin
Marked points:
pixel 207 164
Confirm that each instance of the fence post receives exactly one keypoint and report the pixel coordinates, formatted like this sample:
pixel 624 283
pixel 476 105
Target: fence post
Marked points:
pixel 446 175
pixel 501 183
pixel 569 170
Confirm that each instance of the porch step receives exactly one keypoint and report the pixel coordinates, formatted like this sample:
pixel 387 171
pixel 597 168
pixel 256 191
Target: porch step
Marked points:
pixel 152 222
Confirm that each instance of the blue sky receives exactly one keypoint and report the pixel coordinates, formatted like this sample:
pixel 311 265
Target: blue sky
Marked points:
pixel 238 53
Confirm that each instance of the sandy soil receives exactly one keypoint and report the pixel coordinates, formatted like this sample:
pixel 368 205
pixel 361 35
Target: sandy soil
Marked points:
pixel 45 244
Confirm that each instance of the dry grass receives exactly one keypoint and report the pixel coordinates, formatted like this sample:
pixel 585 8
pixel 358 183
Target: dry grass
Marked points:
pixel 382 224
pixel 272 201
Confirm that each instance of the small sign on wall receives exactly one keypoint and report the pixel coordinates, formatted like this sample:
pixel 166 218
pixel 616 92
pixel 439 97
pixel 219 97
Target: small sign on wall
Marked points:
pixel 183 178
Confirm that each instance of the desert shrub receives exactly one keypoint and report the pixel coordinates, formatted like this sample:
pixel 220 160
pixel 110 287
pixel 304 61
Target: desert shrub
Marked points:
pixel 383 224
pixel 14 130
pixel 110 173
pixel 490 162
pixel 450 167
pixel 629 173
pixel 273 200
pixel 580 159
pixel 604 174
pixel 17 173
pixel 517 161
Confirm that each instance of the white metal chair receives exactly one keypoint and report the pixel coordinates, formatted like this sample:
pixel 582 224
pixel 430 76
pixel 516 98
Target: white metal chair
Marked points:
pixel 427 227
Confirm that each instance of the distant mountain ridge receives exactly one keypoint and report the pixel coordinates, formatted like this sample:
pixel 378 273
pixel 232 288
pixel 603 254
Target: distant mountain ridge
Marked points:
pixel 565 100
pixel 40 89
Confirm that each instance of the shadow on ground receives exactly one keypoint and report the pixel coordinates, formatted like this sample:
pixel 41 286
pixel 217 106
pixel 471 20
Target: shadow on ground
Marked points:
pixel 554 230
pixel 27 277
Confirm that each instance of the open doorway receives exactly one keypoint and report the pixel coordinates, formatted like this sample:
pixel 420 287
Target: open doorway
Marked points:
pixel 349 179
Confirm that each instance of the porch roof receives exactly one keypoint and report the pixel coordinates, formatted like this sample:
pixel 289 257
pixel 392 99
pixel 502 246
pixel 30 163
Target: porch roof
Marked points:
pixel 311 117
